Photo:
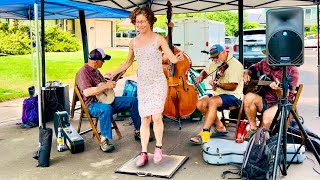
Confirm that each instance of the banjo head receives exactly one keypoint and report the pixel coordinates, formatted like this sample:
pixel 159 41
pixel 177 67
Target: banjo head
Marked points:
pixel 107 96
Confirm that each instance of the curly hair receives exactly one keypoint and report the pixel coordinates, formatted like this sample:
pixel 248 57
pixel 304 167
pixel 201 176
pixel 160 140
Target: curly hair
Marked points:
pixel 147 12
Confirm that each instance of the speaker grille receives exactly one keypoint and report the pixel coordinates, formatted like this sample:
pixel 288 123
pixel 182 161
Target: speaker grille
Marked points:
pixel 285 47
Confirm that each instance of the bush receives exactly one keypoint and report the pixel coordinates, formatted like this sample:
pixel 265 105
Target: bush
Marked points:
pixel 58 40
pixel 15 40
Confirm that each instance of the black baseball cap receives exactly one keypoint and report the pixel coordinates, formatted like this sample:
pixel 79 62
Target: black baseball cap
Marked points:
pixel 98 54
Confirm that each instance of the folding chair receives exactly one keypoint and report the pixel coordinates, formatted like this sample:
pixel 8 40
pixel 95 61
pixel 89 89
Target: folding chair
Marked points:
pixel 85 114
pixel 297 94
pixel 241 115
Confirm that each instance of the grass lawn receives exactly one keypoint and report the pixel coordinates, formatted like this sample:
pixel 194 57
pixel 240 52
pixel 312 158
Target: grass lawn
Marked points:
pixel 16 71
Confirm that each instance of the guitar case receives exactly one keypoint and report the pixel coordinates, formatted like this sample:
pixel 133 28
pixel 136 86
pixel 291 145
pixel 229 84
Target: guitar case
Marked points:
pixel 292 150
pixel 223 151
pixel 73 139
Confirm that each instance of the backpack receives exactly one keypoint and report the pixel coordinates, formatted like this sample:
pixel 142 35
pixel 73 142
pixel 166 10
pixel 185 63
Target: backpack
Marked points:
pixel 30 111
pixel 259 156
pixel 130 88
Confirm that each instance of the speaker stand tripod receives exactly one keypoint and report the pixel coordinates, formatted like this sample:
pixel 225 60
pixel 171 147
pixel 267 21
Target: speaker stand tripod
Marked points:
pixel 284 107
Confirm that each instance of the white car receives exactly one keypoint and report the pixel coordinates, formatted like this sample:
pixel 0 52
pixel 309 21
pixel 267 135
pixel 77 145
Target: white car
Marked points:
pixel 310 41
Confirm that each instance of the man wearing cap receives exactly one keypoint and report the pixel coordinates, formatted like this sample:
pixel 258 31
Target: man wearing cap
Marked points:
pixel 87 79
pixel 227 90
pixel 267 102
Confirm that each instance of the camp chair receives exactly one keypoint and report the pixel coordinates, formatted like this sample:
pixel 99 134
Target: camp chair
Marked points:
pixel 85 114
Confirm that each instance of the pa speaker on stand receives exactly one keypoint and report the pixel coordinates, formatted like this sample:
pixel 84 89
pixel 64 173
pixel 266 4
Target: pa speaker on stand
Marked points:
pixel 285 36
pixel 285 48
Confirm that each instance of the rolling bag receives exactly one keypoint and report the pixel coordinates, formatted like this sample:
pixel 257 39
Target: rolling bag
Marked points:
pixel 223 151
pixel 73 139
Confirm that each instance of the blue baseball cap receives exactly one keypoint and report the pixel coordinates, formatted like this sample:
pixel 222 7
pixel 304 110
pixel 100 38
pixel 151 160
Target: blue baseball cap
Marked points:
pixel 215 50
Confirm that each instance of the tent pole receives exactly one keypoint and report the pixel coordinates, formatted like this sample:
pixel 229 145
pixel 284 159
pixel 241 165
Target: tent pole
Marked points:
pixel 38 62
pixel 84 35
pixel 43 56
pixel 240 32
pixel 31 44
pixel 317 2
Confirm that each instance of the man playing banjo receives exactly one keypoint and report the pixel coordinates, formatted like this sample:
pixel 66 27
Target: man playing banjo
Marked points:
pixel 87 80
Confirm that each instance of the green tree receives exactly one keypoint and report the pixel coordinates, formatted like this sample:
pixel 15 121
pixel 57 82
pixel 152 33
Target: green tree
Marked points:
pixel 229 18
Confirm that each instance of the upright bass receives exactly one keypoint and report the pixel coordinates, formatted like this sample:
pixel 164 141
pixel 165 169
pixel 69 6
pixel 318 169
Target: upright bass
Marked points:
pixel 181 97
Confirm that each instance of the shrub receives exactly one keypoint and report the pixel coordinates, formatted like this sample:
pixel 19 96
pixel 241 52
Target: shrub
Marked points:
pixel 15 40
pixel 58 40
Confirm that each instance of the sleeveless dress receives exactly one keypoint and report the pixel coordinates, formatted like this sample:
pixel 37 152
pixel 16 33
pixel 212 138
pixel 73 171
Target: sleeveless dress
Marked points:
pixel 152 83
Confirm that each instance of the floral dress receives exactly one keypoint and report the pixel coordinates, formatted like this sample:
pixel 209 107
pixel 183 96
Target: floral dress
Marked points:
pixel 152 83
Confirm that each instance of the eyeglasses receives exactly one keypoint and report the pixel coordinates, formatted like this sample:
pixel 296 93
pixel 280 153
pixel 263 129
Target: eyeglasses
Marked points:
pixel 143 22
pixel 101 60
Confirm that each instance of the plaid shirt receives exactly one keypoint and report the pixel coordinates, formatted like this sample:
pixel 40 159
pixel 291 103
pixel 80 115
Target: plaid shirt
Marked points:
pixel 88 77
pixel 277 73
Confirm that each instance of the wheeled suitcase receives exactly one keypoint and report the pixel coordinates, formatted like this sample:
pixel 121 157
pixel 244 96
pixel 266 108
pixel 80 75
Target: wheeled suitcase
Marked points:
pixel 292 149
pixel 223 151
pixel 73 139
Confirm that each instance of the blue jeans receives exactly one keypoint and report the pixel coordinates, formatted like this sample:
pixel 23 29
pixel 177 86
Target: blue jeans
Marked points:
pixel 105 112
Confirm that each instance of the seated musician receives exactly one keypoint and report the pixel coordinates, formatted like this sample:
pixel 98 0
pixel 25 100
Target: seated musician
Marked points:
pixel 227 91
pixel 266 103
pixel 88 77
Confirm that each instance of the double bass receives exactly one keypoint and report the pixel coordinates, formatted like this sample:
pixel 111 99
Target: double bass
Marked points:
pixel 181 97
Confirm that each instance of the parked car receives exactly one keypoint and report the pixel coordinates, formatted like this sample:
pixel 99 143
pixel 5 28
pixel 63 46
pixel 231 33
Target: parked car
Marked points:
pixel 229 42
pixel 310 41
pixel 254 42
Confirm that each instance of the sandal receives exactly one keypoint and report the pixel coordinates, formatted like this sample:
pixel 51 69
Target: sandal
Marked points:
pixel 216 133
pixel 198 138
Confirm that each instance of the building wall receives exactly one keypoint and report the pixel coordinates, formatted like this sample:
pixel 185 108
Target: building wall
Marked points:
pixel 100 32
pixel 310 15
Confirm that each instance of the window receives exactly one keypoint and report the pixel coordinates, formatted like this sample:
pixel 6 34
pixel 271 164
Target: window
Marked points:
pixel 308 14
pixel 125 35
pixel 132 34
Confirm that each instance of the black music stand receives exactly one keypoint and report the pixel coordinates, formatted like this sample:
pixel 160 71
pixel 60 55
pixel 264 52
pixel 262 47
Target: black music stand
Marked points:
pixel 283 107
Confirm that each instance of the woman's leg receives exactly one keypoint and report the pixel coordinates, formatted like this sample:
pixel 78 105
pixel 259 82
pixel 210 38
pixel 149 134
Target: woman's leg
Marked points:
pixel 145 133
pixel 158 128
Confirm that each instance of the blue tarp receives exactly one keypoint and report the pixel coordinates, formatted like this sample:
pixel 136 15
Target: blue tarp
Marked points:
pixel 57 9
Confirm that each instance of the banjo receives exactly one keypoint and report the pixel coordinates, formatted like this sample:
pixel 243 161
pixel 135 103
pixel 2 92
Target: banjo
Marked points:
pixel 108 95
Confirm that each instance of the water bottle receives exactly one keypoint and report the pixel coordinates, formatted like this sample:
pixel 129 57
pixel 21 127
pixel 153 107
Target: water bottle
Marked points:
pixel 205 135
pixel 60 141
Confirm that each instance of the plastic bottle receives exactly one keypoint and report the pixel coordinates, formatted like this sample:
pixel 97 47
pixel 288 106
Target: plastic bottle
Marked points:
pixel 205 135
pixel 60 141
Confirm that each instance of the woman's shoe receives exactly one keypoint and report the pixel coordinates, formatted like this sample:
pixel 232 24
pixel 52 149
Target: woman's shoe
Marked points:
pixel 142 160
pixel 157 155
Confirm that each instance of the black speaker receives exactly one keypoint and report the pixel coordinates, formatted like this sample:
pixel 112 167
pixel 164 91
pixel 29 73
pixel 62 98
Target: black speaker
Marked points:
pixel 56 99
pixel 285 37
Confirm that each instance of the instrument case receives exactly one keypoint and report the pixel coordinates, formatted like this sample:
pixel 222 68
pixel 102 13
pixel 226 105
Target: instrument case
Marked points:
pixel 223 151
pixel 73 140
pixel 292 149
